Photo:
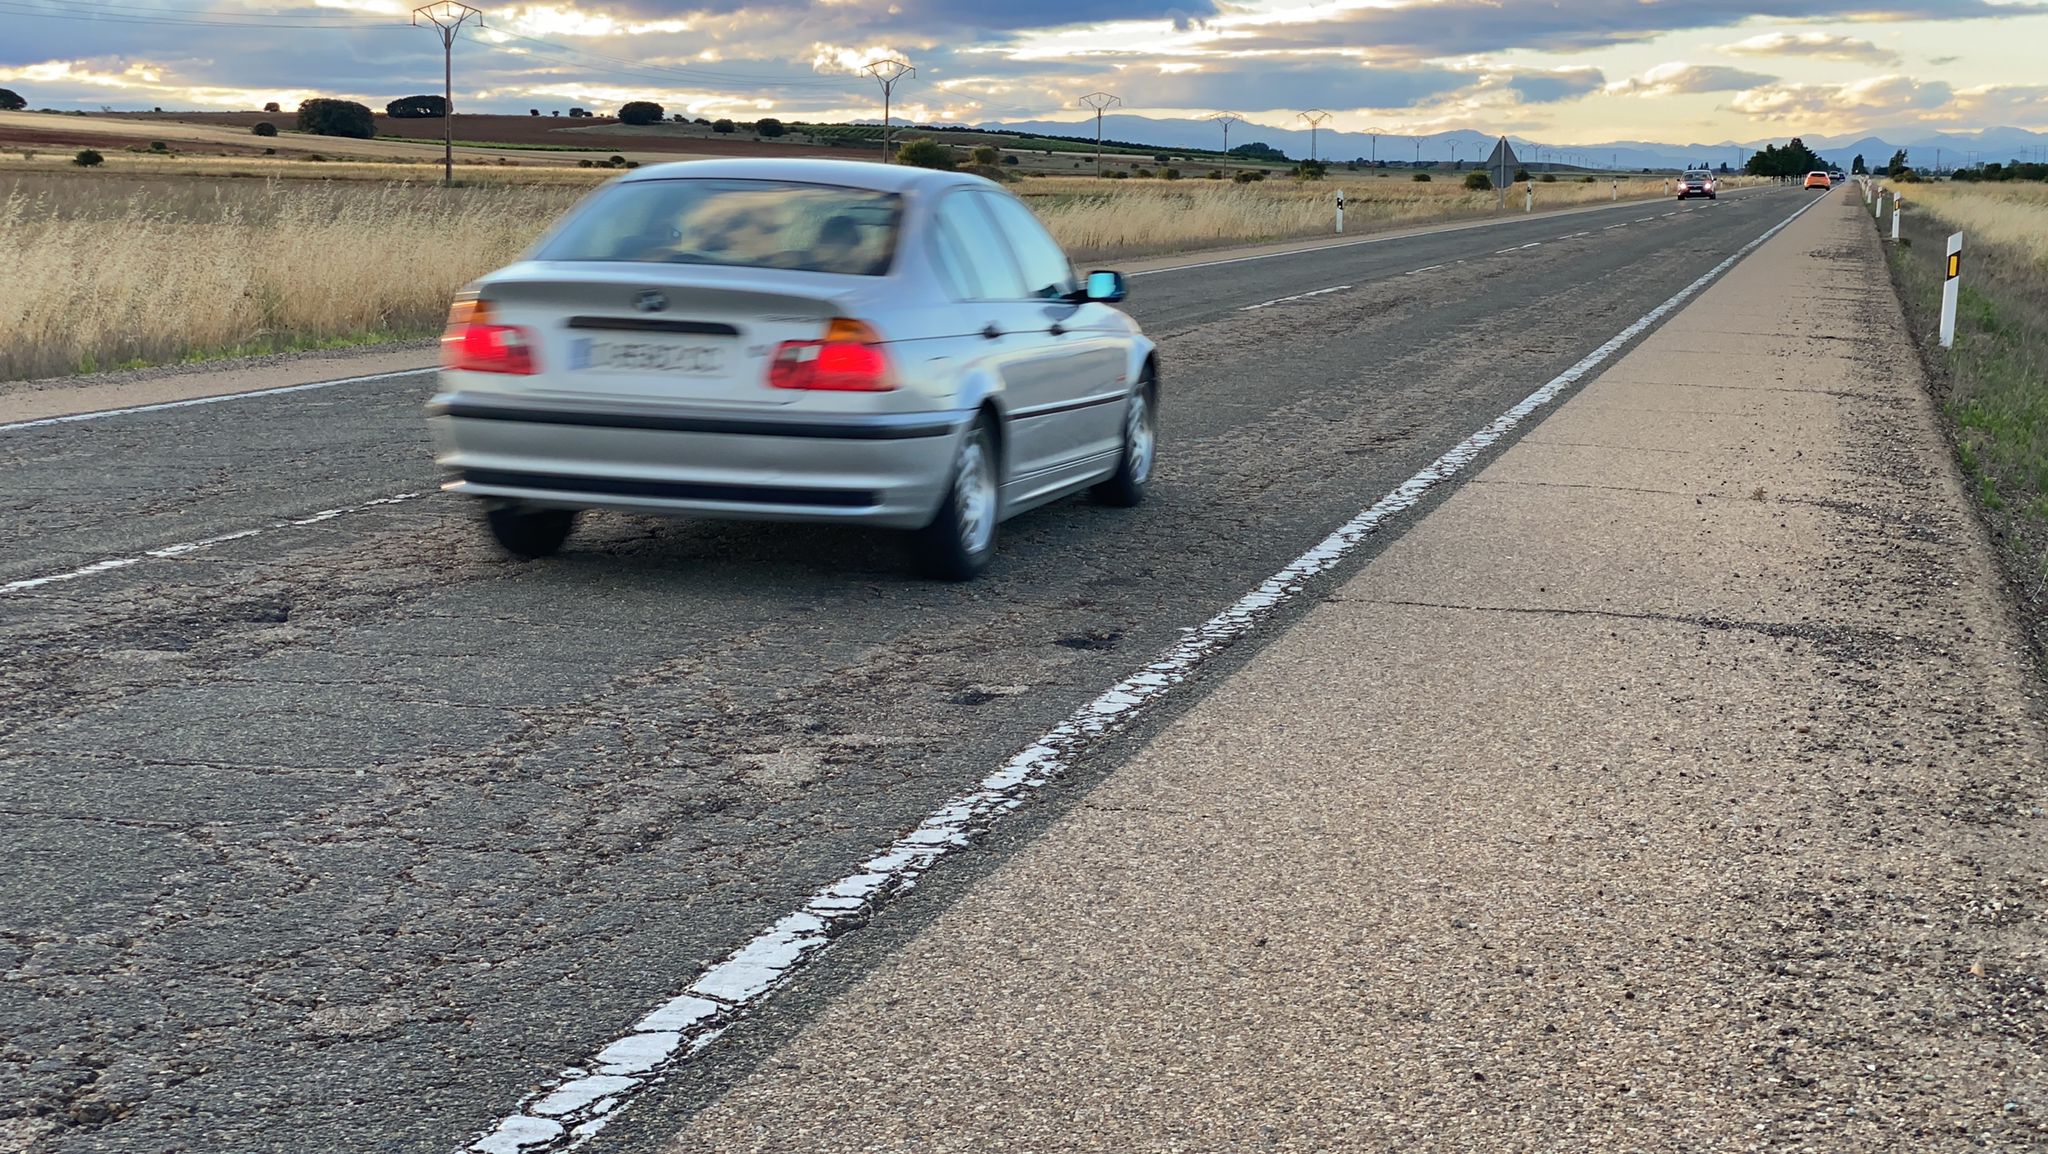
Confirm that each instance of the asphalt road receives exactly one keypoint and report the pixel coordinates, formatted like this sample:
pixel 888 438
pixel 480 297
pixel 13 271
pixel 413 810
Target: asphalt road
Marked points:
pixel 347 834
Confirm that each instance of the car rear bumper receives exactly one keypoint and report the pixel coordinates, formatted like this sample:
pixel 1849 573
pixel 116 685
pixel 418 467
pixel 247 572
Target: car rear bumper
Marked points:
pixel 886 470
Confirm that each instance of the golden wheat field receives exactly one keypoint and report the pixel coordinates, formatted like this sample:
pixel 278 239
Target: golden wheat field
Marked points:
pixel 2003 214
pixel 187 258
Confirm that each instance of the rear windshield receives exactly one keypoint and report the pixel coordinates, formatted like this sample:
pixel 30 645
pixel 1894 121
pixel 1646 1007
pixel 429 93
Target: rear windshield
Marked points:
pixel 742 223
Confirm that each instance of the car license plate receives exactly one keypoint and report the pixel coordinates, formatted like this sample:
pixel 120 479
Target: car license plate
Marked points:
pixel 588 354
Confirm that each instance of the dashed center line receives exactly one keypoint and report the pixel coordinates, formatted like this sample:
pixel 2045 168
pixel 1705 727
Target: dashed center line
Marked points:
pixel 1614 226
pixel 182 548
pixel 1296 297
pixel 1532 244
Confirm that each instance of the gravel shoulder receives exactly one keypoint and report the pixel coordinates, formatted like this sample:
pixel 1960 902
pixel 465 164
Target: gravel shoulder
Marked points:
pixel 1675 785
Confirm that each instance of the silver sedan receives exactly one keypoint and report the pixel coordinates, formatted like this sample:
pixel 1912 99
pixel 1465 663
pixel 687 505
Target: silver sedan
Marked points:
pixel 803 340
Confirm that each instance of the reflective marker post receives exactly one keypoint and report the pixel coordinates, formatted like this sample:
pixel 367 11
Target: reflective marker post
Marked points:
pixel 1898 210
pixel 1951 289
pixel 1877 209
pixel 1340 211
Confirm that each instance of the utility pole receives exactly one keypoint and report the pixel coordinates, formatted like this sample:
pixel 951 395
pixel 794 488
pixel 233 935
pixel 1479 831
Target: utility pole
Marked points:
pixel 1100 101
pixel 1226 119
pixel 1375 133
pixel 447 17
pixel 1315 118
pixel 887 73
pixel 1418 150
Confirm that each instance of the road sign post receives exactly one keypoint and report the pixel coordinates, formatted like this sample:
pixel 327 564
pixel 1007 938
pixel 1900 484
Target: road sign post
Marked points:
pixel 1951 289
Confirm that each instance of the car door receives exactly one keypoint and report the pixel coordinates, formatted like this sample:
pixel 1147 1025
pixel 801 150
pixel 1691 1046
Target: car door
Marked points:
pixel 1066 413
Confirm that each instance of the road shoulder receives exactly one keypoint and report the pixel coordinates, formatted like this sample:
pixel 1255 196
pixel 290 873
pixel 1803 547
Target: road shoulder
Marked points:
pixel 1675 782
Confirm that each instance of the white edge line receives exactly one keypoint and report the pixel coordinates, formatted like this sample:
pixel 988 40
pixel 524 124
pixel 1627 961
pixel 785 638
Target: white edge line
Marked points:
pixel 182 548
pixel 579 1101
pixel 95 415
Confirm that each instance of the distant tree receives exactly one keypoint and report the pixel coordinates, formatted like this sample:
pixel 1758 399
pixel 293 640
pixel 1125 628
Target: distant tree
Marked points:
pixel 11 101
pixel 272 107
pixel 1898 165
pixel 1420 178
pixel 769 128
pixel 578 113
pixel 417 108
pixel 1259 150
pixel 1521 174
pixel 701 122
pixel 533 112
pixel 265 129
pixel 985 156
pixel 642 112
pixel 87 158
pixel 1856 167
pixel 925 152
pixel 1478 182
pixel 721 126
pixel 1311 170
pixel 554 112
pixel 323 117
pixel 1164 173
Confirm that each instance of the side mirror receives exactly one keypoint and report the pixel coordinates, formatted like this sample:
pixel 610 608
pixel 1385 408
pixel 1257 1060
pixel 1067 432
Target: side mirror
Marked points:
pixel 1107 287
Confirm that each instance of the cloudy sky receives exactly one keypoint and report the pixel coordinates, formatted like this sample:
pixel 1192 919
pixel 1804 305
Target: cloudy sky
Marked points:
pixel 1567 71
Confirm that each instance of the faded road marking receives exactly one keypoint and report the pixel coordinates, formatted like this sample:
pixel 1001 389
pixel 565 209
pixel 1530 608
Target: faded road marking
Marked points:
pixel 580 1101
pixel 184 547
pixel 1296 297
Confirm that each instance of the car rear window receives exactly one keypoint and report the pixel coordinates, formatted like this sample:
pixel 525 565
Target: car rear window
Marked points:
pixel 739 223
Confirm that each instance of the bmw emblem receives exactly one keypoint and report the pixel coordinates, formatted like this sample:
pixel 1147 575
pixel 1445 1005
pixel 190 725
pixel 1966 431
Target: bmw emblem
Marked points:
pixel 650 301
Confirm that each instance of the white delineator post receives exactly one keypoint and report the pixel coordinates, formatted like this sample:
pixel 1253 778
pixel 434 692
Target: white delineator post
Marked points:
pixel 1877 209
pixel 1951 289
pixel 1617 191
pixel 1340 211
pixel 1898 209
pixel 1531 205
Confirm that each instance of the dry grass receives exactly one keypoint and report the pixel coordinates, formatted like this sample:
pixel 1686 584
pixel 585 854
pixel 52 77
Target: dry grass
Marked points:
pixel 147 271
pixel 166 259
pixel 2013 215
pixel 1096 219
pixel 120 166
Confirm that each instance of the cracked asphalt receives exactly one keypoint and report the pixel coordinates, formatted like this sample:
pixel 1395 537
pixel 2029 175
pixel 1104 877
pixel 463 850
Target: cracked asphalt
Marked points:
pixel 348 835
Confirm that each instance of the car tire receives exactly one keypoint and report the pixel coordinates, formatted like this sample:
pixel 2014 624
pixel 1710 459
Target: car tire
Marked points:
pixel 527 532
pixel 961 538
pixel 1139 454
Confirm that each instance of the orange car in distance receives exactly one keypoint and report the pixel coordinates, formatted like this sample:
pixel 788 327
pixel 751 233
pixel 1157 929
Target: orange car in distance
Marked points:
pixel 1818 180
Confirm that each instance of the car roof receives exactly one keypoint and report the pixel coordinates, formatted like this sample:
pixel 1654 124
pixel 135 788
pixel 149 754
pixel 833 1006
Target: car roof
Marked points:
pixel 898 178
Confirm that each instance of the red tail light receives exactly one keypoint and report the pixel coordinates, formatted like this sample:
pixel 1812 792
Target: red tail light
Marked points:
pixel 472 343
pixel 849 360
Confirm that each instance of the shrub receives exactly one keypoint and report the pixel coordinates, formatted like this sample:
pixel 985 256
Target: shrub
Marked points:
pixel 1311 170
pixel 617 161
pixel 533 112
pixel 1420 178
pixel 1117 174
pixel 1550 178
pixel 1585 180
pixel 1478 182
pixel 270 152
pixel 336 118
pixel 1169 174
pixel 769 128
pixel 1162 159
pixel 632 164
pixel 578 113
pixel 159 146
pixel 1249 175
pixel 1214 174
pixel 417 108
pixel 1143 174
pixel 272 107
pixel 722 126
pixel 1009 159
pixel 586 163
pixel 925 152
pixel 1521 174
pixel 641 112
pixel 11 101
pixel 701 122
pixel 316 158
pixel 87 158
pixel 984 156
pixel 265 129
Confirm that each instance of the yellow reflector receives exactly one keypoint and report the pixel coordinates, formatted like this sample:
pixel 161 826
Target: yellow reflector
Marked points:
pixel 853 332
pixel 1955 265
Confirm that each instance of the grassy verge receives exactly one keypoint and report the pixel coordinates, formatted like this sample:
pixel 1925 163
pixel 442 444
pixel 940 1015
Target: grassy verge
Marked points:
pixel 1993 384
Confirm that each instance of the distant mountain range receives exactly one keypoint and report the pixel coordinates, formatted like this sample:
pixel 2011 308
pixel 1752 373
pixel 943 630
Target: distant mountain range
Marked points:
pixel 1955 148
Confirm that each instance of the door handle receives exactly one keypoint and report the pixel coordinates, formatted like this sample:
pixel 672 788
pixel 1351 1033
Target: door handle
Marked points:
pixel 1057 329
pixel 992 332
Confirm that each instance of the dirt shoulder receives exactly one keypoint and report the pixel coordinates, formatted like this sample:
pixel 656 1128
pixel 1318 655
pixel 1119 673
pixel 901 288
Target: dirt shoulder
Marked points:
pixel 1673 785
pixel 66 396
